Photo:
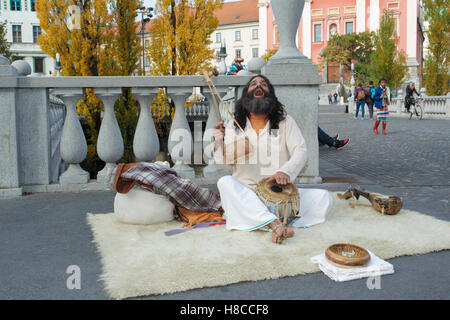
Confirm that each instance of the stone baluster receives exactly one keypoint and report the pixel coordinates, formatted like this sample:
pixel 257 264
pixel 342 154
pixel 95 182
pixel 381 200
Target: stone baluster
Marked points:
pixel 180 142
pixel 73 146
pixel 146 142
pixel 110 142
pixel 212 171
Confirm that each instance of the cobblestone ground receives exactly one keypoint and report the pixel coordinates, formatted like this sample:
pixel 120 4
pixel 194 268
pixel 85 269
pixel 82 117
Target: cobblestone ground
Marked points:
pixel 411 160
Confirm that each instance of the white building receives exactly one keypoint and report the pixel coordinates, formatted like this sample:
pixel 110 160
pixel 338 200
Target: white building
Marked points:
pixel 239 26
pixel 23 32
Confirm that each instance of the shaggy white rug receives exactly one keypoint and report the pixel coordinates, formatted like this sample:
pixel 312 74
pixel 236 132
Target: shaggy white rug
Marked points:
pixel 141 260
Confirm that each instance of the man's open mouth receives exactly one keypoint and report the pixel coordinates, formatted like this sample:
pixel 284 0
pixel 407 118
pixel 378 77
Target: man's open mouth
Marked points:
pixel 259 93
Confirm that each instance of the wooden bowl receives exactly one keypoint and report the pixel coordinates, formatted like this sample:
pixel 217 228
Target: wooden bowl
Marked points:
pixel 347 255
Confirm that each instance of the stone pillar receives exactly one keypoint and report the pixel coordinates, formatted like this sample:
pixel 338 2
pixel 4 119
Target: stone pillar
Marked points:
pixel 374 16
pixel 360 16
pixel 180 142
pixel 146 142
pixel 73 142
pixel 9 153
pixel 296 82
pixel 110 141
pixel 411 41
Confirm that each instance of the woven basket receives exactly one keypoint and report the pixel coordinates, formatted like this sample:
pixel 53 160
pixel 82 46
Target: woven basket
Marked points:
pixel 347 255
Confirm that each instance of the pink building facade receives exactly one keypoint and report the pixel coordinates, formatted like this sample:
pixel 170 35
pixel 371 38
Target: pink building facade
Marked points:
pixel 322 18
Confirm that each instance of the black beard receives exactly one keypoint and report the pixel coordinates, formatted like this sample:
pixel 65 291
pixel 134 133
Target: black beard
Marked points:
pixel 259 105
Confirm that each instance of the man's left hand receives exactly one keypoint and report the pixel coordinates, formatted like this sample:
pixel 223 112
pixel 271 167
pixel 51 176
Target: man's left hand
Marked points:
pixel 280 178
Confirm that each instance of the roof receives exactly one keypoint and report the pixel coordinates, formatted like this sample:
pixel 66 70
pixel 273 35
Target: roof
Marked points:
pixel 238 12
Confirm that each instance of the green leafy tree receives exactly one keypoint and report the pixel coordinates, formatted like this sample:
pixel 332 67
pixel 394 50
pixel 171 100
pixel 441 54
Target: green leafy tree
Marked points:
pixel 350 48
pixel 437 64
pixel 4 45
pixel 386 61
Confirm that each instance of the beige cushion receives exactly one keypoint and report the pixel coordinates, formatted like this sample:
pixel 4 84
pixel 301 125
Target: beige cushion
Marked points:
pixel 140 206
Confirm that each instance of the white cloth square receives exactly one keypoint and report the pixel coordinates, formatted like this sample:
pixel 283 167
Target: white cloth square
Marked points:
pixel 375 267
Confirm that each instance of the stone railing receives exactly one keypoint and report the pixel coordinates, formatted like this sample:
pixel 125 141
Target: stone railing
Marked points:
pixel 436 107
pixel 29 131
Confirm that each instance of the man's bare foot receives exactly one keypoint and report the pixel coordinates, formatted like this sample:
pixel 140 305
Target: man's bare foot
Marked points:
pixel 279 233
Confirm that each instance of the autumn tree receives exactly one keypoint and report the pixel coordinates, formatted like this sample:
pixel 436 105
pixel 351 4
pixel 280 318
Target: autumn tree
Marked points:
pixel 386 61
pixel 4 45
pixel 180 36
pixel 101 42
pixel 350 48
pixel 180 39
pixel 437 63
pixel 122 59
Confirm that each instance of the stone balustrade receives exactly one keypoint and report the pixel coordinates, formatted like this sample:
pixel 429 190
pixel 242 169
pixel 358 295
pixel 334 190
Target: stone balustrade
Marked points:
pixel 434 107
pixel 26 134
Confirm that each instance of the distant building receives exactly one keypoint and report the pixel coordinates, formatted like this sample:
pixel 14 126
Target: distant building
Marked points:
pixel 322 18
pixel 23 32
pixel 239 25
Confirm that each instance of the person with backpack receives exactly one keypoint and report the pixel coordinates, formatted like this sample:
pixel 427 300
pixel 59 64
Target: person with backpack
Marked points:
pixel 369 98
pixel 360 98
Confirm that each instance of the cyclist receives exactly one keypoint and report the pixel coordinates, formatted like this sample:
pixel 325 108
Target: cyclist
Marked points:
pixel 409 98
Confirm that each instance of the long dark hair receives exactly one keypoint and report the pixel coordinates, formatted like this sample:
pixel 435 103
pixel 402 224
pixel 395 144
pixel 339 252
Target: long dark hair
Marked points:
pixel 276 115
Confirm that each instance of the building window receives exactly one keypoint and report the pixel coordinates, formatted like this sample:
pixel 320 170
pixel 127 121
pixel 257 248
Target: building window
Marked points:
pixel 36 33
pixel 316 12
pixel 393 5
pixel 349 27
pixel 333 11
pixel 38 65
pixel 255 34
pixel 349 9
pixel 17 33
pixel 317 33
pixel 15 5
pixel 255 52
pixel 237 35
pixel 238 53
pixel 218 37
pixel 33 5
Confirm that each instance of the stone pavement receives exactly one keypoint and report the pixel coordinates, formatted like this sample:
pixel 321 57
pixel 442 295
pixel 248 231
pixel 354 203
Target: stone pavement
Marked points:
pixel 42 234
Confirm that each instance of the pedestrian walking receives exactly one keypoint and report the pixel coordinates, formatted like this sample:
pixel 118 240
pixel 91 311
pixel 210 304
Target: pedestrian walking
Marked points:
pixel 382 100
pixel 360 98
pixel 369 98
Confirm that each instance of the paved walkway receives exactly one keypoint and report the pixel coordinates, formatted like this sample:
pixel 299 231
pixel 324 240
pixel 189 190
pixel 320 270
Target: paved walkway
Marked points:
pixel 42 234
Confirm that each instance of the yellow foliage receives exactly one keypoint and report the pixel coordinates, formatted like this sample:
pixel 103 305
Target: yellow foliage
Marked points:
pixel 180 39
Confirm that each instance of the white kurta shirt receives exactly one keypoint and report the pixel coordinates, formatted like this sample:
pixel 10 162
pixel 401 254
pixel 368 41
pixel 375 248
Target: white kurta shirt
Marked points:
pixel 284 150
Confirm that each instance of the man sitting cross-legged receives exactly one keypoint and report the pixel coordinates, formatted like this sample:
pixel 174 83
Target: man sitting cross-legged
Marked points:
pixel 278 151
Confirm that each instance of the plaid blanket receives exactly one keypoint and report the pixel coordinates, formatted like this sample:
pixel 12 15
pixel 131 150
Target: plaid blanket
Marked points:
pixel 165 181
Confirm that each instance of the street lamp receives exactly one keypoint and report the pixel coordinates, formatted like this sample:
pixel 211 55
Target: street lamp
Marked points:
pixel 145 17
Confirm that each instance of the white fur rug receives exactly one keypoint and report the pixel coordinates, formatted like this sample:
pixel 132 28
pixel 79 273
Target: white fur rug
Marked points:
pixel 141 260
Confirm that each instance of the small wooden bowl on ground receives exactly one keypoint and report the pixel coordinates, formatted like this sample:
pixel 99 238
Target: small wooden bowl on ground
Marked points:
pixel 345 255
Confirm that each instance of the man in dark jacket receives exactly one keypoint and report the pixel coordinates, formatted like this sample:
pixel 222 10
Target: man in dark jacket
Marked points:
pixel 369 98
pixel 409 98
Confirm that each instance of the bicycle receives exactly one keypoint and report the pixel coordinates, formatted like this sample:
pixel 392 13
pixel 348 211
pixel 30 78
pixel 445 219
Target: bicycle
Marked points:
pixel 415 109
